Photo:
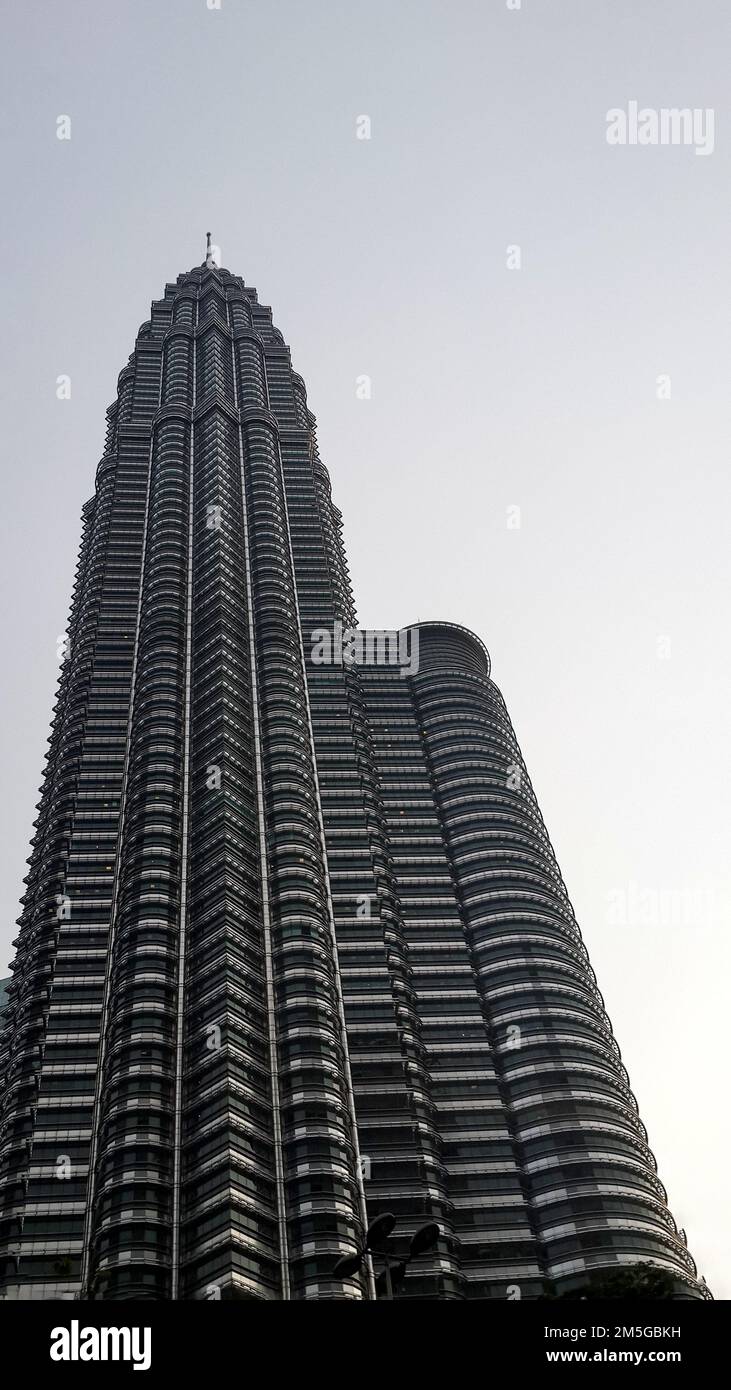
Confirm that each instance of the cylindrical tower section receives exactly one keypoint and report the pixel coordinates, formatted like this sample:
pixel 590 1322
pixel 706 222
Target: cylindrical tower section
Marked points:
pixel 589 1173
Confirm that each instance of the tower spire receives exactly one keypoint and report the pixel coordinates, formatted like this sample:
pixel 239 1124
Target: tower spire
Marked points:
pixel 210 261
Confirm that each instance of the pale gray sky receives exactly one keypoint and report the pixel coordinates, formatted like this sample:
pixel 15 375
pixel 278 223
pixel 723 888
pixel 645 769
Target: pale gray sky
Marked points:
pixel 606 611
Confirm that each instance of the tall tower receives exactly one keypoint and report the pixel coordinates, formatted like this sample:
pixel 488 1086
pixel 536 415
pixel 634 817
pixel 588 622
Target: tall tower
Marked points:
pixel 295 949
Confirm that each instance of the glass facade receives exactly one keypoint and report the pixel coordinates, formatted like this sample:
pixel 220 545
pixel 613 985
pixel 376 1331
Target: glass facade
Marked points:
pixel 295 949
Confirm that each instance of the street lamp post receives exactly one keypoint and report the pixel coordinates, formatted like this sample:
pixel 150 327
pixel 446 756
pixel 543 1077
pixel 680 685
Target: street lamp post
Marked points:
pixel 376 1243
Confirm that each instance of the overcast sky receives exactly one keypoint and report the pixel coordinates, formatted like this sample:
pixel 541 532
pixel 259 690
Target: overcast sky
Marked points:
pixel 589 388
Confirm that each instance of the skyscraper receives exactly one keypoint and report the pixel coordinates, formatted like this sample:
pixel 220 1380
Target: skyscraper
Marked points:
pixel 295 949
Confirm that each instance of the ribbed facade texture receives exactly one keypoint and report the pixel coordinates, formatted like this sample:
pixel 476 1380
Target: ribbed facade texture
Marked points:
pixel 295 949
